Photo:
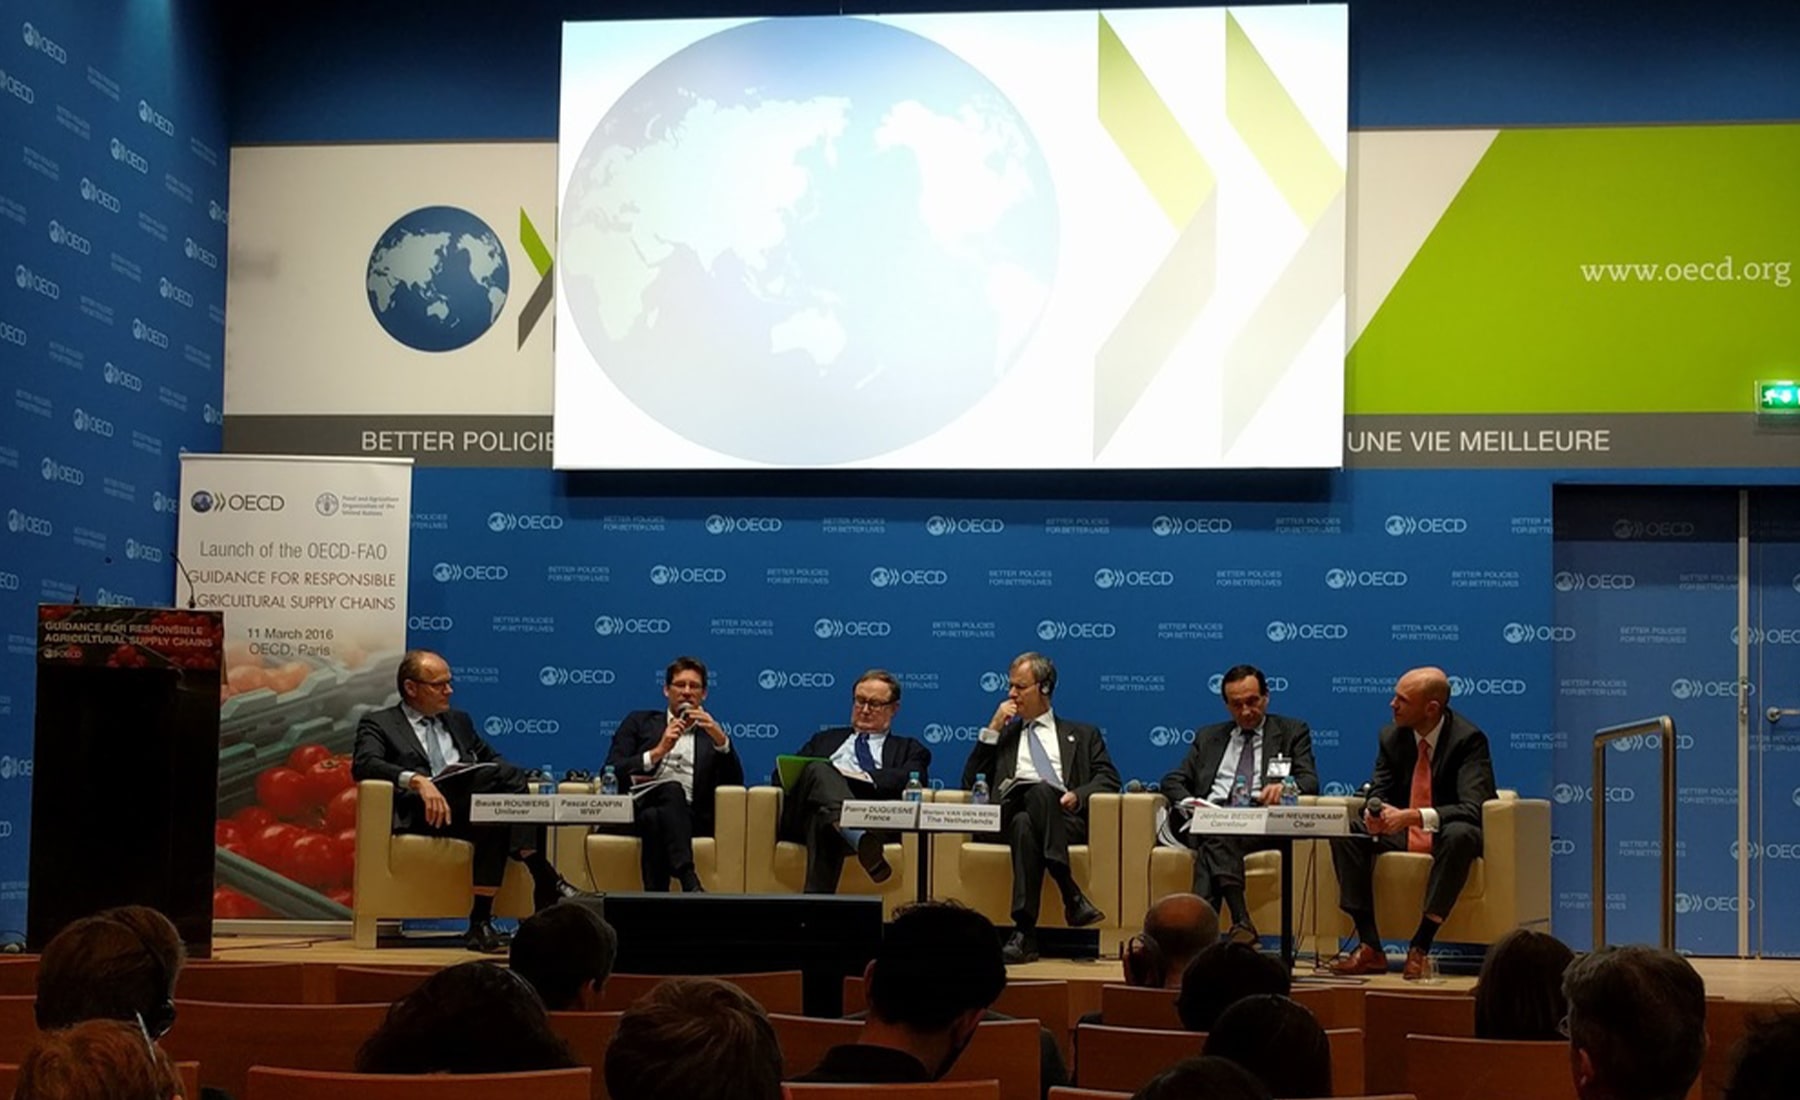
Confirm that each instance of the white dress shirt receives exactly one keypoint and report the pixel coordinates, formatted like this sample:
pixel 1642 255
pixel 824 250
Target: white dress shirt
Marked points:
pixel 844 759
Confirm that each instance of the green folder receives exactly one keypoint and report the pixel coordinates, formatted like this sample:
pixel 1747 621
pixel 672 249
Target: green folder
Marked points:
pixel 789 768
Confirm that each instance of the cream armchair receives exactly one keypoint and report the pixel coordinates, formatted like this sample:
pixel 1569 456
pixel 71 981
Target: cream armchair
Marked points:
pixel 1508 887
pixel 773 866
pixel 1148 870
pixel 979 873
pixel 401 875
pixel 603 861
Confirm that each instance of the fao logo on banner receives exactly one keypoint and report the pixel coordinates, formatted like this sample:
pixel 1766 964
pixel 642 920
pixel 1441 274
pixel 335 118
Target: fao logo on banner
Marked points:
pixel 1365 578
pixel 555 676
pixel 886 577
pixel 951 525
pixel 670 574
pixel 1306 632
pixel 772 679
pixel 1133 578
pixel 1398 526
pixel 996 681
pixel 609 625
pixel 1466 685
pixel 726 525
pixel 1051 630
pixel 852 628
pixel 1663 529
pixel 327 504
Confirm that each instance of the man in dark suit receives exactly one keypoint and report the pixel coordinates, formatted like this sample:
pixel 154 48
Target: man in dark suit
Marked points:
pixel 672 761
pixel 865 759
pixel 1258 746
pixel 1432 773
pixel 930 984
pixel 1044 770
pixel 410 745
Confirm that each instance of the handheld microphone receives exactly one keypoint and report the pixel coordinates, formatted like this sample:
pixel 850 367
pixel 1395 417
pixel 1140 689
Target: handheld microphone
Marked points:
pixel 1373 807
pixel 189 577
pixel 681 712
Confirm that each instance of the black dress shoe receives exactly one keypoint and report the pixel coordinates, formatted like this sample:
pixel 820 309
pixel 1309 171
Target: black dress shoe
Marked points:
pixel 1243 932
pixel 690 884
pixel 546 894
pixel 485 938
pixel 1021 947
pixel 1080 912
pixel 869 853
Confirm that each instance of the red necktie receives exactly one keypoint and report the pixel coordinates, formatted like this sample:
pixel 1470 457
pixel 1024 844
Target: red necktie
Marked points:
pixel 1417 839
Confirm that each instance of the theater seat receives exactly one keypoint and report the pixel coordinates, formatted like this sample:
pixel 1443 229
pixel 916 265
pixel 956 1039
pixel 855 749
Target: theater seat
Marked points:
pixel 978 872
pixel 401 875
pixel 604 861
pixel 1508 887
pixel 774 866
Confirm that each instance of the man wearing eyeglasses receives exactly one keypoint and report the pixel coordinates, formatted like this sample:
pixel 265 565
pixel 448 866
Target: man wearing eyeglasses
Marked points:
pixel 431 753
pixel 1043 770
pixel 866 760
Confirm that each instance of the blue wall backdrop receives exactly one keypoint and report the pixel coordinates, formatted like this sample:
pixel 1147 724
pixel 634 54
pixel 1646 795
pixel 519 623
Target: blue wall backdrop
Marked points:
pixel 112 317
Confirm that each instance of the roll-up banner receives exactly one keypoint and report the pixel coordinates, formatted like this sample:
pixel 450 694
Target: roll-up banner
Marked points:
pixel 307 558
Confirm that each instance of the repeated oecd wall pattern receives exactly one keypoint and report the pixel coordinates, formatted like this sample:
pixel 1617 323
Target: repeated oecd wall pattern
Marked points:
pixel 112 245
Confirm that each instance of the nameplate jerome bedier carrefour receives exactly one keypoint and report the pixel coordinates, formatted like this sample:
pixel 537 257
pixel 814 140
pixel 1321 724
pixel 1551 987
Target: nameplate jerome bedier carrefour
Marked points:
pixel 1270 820
pixel 864 813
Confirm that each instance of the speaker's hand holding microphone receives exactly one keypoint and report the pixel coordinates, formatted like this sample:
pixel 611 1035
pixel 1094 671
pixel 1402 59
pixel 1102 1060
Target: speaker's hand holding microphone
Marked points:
pixel 672 732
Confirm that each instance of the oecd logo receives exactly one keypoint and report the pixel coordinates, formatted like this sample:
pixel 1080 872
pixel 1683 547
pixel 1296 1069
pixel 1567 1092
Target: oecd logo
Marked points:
pixel 9 582
pixel 886 577
pixel 1769 635
pixel 1565 794
pixel 17 88
pixel 216 212
pixel 1522 633
pixel 1216 683
pixel 197 252
pixel 1759 850
pixel 1051 630
pixel 148 334
pixel 1398 526
pixel 124 379
pixel 1565 581
pixel 952 525
pixel 52 470
pixel 28 279
pixel 1710 903
pixel 1638 741
pixel 1467 685
pixel 202 501
pixel 608 626
pixel 445 572
pixel 69 239
pixel 1164 736
pixel 1365 578
pixel 164 503
pixel 1133 578
pixel 1661 529
pixel 42 43
pixel 211 415
pixel 671 574
pixel 500 726
pixel 177 294
pixel 15 767
pixel 1306 632
pixel 1164 526
pixel 1335 789
pixel 99 196
pixel 736 525
pixel 327 504
pixel 16 336
pixel 992 682
pixel 1690 688
pixel 155 119
pixel 107 598
pixel 852 628
pixel 1796 582
pixel 508 521
pixel 1561 846
pixel 937 733
pixel 557 676
pixel 753 731
pixel 205 500
pixel 436 624
pixel 92 425
pixel 142 551
pixel 129 157
pixel 772 679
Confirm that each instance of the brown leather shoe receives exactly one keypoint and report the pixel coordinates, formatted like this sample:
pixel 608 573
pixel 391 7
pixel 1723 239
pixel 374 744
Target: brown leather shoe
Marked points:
pixel 1366 959
pixel 1416 958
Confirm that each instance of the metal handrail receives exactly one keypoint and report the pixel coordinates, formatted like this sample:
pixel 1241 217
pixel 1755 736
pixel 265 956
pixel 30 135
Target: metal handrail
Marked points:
pixel 1665 726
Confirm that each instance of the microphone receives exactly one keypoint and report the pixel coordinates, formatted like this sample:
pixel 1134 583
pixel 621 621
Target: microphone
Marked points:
pixel 189 577
pixel 681 712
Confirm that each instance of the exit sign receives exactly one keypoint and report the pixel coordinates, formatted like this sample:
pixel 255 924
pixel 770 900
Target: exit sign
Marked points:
pixel 1778 397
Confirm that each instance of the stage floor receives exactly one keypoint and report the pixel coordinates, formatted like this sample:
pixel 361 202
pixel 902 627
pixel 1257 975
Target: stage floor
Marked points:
pixel 1737 979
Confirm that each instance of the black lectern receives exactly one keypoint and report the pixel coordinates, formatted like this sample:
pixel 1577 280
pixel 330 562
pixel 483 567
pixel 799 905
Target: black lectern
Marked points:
pixel 126 766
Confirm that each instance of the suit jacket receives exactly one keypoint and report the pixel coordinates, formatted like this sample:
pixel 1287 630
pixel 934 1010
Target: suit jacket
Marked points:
pixel 1087 768
pixel 1462 771
pixel 386 746
pixel 900 757
pixel 860 1064
pixel 639 733
pixel 1282 736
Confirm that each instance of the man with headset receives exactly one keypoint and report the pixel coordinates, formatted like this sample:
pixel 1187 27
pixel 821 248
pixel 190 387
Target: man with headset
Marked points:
pixel 119 964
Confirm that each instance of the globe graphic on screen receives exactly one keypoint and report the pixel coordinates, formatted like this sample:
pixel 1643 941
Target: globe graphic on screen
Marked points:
pixel 437 279
pixel 808 241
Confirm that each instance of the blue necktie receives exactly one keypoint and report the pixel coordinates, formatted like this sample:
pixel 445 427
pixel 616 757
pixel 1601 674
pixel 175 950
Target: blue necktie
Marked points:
pixel 1040 759
pixel 434 750
pixel 865 759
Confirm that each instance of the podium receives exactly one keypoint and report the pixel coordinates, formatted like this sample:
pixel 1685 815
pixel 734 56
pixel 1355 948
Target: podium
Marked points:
pixel 126 766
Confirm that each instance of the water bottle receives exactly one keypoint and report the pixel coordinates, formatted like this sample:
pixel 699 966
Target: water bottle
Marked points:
pixel 915 790
pixel 1240 791
pixel 1290 791
pixel 978 794
pixel 546 780
pixel 609 781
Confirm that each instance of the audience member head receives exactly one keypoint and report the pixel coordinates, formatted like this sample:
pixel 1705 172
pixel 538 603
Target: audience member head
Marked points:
pixel 96 1060
pixel 120 964
pixel 472 1018
pixel 566 952
pixel 1222 975
pixel 1212 1078
pixel 932 979
pixel 695 1038
pixel 1637 1023
pixel 1279 1041
pixel 1520 995
pixel 1176 929
pixel 1766 1063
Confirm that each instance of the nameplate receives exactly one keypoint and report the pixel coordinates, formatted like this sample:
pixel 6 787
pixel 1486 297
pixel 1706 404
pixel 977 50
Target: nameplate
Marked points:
pixel 1270 821
pixel 488 808
pixel 869 813
pixel 594 809
pixel 954 817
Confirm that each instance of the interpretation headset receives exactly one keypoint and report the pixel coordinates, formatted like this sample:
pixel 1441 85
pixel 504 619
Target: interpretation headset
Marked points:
pixel 159 1016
